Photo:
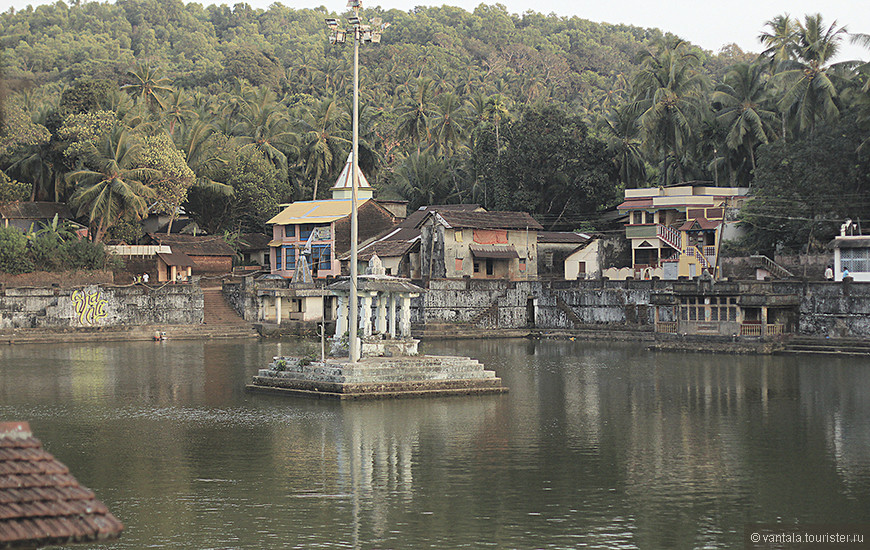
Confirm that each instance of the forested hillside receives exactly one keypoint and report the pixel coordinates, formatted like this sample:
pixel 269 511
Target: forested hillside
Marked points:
pixel 116 108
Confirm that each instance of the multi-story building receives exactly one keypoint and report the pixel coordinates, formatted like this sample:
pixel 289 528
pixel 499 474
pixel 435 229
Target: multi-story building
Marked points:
pixel 676 231
pixel 323 227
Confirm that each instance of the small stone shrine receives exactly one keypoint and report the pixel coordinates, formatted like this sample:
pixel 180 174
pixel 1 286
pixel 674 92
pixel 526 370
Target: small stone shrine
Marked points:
pixel 390 365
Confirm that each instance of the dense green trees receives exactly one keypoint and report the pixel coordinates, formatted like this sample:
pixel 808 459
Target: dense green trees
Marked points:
pixel 232 111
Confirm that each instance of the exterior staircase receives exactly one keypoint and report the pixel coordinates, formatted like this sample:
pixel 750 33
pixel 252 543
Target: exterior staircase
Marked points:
pixel 671 237
pixel 761 261
pixel 219 317
pixel 826 346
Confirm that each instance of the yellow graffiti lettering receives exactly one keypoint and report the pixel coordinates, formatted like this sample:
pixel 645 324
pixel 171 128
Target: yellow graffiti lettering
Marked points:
pixel 90 307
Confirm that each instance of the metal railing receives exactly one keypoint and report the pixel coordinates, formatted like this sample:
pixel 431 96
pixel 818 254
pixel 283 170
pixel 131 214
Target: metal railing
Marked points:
pixel 667 327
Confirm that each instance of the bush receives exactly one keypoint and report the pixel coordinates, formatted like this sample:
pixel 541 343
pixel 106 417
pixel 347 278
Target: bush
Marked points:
pixel 49 252
pixel 13 251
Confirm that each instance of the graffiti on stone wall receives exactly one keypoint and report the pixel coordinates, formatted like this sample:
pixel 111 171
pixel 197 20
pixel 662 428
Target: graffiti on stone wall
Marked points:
pixel 90 306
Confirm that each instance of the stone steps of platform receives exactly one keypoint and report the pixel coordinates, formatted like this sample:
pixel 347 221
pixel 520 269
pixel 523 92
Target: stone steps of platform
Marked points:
pixel 415 386
pixel 377 370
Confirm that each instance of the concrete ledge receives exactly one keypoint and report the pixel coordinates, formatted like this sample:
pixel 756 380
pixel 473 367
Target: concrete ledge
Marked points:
pixel 384 393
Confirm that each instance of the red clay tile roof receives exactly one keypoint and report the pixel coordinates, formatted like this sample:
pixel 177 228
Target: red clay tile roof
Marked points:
pixel 699 223
pixel 384 249
pixel 489 220
pixel 416 218
pixel 40 502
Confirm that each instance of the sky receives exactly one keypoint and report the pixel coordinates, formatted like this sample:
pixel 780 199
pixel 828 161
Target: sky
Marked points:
pixel 711 25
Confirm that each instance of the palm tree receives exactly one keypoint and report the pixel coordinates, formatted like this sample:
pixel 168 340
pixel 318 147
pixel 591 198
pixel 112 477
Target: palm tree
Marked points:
pixel 148 85
pixel 497 111
pixel 447 128
pixel 113 188
pixel 808 82
pixel 622 130
pixel 179 109
pixel 669 90
pixel 780 40
pixel 741 108
pixel 325 136
pixel 415 114
pixel 421 178
pixel 265 127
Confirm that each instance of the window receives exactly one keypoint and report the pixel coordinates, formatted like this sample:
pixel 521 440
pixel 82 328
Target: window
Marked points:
pixel 457 235
pixel 489 266
pixel 289 231
pixel 548 258
pixel 477 267
pixel 581 268
pixel 305 231
pixel 321 257
pixel 459 265
pixel 522 264
pixel 855 259
pixel 291 257
pixel 278 253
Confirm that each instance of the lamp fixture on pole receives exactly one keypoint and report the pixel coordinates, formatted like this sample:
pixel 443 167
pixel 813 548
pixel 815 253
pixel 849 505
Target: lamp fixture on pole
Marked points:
pixel 364 33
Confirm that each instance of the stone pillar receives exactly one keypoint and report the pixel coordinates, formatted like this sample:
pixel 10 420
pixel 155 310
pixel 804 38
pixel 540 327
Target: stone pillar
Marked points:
pixel 381 325
pixel 277 309
pixel 764 320
pixel 393 297
pixel 405 324
pixel 341 316
pixel 365 314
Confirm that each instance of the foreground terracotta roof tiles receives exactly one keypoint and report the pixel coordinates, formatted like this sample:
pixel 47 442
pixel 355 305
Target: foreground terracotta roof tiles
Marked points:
pixel 41 503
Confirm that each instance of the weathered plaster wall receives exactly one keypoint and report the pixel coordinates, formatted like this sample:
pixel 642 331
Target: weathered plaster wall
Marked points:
pixel 100 306
pixel 826 308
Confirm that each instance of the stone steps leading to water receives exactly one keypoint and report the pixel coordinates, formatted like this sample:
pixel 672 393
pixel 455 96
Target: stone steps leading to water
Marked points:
pixel 216 310
pixel 826 346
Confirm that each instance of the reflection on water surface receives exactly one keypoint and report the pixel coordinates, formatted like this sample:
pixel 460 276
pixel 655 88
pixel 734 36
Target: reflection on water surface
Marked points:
pixel 596 445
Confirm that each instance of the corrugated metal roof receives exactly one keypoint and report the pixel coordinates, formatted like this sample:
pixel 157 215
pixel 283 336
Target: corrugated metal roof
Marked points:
pixel 494 251
pixel 562 237
pixel 41 504
pixel 35 210
pixel 209 245
pixel 325 211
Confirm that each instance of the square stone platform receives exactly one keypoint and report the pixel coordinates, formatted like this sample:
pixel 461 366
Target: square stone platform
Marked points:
pixel 378 378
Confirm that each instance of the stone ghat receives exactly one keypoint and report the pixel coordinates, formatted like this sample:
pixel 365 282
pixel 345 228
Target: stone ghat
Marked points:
pixel 382 377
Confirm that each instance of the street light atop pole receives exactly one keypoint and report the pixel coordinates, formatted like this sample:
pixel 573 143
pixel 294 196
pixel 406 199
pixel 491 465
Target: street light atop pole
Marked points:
pixel 338 35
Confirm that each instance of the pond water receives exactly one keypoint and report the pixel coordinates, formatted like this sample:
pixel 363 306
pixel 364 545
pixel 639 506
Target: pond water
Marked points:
pixel 595 446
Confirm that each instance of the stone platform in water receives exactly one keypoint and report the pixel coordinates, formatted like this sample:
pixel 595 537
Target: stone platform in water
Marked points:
pixel 381 378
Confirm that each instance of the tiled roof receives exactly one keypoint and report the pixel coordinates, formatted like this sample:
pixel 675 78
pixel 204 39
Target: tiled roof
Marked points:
pixel 384 249
pixel 699 223
pixel 416 218
pixel 253 241
pixel 562 237
pixel 35 210
pixel 209 245
pixel 41 504
pixel 489 220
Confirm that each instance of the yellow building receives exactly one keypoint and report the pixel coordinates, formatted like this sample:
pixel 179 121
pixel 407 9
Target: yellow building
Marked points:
pixel 676 231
